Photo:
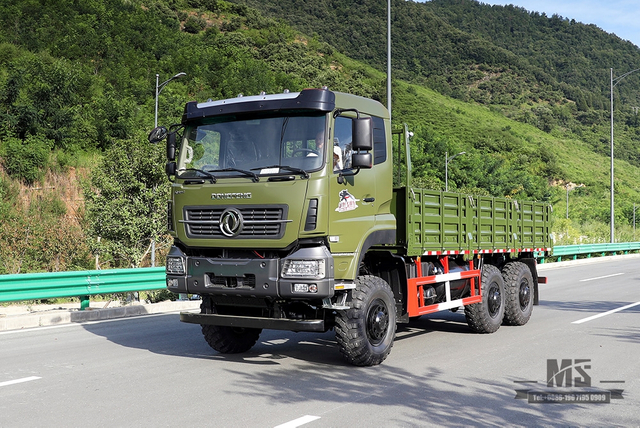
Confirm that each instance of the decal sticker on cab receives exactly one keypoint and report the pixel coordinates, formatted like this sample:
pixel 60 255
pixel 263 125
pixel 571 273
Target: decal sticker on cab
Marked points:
pixel 347 202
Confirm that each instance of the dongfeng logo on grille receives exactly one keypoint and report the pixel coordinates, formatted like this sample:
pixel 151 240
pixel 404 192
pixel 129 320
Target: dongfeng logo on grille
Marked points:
pixel 231 222
pixel 231 195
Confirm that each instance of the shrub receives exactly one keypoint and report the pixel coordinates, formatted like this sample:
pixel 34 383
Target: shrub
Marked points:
pixel 27 159
pixel 194 24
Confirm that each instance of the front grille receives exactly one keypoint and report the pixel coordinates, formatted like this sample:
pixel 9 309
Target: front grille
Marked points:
pixel 256 221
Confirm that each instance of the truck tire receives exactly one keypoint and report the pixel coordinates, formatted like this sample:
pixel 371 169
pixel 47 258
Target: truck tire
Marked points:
pixel 227 340
pixel 518 283
pixel 486 316
pixel 365 333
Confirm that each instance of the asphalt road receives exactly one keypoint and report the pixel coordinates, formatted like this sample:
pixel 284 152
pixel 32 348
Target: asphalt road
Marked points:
pixel 155 371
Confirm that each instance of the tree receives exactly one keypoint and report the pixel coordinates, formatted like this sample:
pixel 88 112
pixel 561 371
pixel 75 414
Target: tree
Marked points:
pixel 124 201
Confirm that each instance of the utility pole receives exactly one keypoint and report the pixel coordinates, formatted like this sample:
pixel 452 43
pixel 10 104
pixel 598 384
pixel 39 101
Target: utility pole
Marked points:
pixel 389 57
pixel 159 88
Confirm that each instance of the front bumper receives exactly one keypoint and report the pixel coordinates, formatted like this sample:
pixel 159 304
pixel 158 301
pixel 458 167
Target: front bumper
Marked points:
pixel 250 277
pixel 316 325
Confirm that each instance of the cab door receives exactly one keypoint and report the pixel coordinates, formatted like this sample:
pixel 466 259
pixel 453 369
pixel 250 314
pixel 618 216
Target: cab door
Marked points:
pixel 352 201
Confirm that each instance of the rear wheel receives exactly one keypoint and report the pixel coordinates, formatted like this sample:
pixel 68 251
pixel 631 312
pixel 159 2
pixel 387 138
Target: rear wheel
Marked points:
pixel 227 340
pixel 518 283
pixel 486 316
pixel 365 333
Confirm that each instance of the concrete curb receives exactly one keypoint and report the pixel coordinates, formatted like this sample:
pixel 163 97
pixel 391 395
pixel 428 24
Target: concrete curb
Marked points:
pixel 67 316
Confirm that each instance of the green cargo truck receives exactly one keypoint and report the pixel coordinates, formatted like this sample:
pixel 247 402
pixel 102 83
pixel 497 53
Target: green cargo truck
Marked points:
pixel 284 216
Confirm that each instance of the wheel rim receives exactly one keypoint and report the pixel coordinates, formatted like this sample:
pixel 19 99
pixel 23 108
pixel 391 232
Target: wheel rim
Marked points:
pixel 495 300
pixel 377 322
pixel 524 295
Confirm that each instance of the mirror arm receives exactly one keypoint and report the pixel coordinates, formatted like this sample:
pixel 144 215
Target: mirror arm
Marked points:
pixel 350 173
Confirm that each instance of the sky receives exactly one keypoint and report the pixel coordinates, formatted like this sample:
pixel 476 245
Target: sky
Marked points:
pixel 621 17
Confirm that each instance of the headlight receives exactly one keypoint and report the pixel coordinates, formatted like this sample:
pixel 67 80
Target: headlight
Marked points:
pixel 303 269
pixel 175 266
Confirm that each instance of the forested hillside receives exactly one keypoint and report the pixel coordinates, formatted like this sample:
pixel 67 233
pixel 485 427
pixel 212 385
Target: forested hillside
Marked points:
pixel 80 187
pixel 550 72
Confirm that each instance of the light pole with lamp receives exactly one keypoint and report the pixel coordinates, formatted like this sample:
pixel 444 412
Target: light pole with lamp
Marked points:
pixel 389 57
pixel 159 88
pixel 634 222
pixel 568 190
pixel 446 168
pixel 614 82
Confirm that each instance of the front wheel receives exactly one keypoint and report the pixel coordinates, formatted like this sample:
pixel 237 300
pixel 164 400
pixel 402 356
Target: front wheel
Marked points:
pixel 486 316
pixel 227 340
pixel 365 333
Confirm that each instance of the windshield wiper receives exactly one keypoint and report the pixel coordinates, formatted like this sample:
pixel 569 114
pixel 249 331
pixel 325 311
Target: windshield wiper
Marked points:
pixel 253 175
pixel 288 168
pixel 207 174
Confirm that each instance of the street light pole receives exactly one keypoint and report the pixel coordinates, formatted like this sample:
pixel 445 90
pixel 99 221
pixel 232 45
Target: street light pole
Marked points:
pixel 612 240
pixel 446 168
pixel 567 201
pixel 389 57
pixel 159 88
pixel 614 82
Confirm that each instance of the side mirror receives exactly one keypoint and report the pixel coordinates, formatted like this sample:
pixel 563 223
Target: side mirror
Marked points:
pixel 171 147
pixel 158 134
pixel 170 168
pixel 361 160
pixel 362 131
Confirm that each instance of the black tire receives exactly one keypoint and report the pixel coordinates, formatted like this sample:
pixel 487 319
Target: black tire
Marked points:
pixel 365 333
pixel 227 340
pixel 519 288
pixel 486 316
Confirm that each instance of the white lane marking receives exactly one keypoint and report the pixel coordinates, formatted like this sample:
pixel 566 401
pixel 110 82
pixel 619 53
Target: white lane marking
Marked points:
pixel 299 422
pixel 606 313
pixel 24 379
pixel 602 277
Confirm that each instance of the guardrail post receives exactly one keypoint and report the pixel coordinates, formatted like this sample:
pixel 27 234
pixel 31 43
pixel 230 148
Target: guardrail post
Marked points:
pixel 84 302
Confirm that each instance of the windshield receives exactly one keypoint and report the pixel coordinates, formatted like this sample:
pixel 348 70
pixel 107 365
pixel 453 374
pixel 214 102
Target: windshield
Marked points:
pixel 262 146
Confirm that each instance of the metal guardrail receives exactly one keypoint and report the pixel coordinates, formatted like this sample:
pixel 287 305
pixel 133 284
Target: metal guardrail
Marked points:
pixel 591 249
pixel 36 286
